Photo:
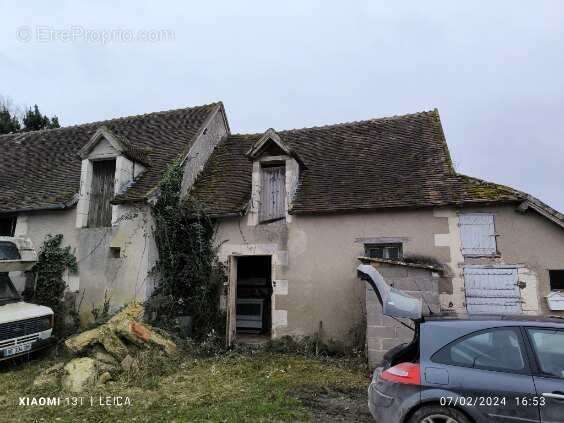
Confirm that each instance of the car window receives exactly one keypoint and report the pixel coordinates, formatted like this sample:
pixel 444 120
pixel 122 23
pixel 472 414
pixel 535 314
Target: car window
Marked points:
pixel 493 349
pixel 549 349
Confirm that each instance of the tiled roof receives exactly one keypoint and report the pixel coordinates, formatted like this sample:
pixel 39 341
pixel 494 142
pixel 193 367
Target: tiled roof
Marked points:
pixel 41 169
pixel 224 186
pixel 392 162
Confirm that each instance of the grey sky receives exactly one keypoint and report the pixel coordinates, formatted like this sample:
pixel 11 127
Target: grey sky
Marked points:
pixel 495 70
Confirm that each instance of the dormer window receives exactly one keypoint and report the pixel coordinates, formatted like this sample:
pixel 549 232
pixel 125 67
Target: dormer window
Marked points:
pixel 110 164
pixel 276 171
pixel 103 187
pixel 272 193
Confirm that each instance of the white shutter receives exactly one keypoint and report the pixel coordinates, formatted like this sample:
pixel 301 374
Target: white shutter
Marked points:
pixel 492 290
pixel 477 234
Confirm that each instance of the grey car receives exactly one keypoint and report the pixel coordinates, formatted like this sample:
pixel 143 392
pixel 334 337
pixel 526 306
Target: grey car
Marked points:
pixel 460 369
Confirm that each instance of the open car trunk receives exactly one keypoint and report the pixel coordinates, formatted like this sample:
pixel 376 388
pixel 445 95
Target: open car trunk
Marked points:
pixel 397 305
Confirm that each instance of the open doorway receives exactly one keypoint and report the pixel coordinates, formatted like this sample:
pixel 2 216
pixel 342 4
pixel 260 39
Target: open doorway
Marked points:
pixel 253 302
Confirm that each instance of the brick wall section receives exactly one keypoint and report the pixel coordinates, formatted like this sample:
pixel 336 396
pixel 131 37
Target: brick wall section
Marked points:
pixel 383 332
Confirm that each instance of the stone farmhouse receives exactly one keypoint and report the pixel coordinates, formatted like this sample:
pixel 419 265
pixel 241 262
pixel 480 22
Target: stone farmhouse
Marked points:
pixel 296 209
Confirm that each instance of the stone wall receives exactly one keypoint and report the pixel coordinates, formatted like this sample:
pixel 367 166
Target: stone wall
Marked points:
pixel 210 136
pixel 383 332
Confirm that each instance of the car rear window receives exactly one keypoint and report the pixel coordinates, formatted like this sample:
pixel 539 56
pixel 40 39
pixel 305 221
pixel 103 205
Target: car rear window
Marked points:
pixel 549 349
pixel 499 349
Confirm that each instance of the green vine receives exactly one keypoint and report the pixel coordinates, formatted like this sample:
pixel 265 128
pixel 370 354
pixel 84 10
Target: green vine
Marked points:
pixel 190 276
pixel 49 287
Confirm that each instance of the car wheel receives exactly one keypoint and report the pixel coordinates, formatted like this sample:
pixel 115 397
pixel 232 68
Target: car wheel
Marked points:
pixel 438 414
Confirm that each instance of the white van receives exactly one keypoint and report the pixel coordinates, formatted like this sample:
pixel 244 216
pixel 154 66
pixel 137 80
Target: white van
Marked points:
pixel 24 327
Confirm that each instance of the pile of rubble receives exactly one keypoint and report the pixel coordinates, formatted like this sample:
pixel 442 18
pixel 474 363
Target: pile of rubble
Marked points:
pixel 105 351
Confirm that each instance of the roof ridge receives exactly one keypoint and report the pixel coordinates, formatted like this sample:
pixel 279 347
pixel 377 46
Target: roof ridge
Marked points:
pixel 254 134
pixel 117 119
pixel 354 122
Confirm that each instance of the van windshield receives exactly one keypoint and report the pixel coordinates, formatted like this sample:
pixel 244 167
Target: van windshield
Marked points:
pixel 7 291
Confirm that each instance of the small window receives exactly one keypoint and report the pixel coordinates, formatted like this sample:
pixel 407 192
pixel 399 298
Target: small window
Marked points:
pixel 477 234
pixel 384 251
pixel 102 193
pixel 272 193
pixel 549 349
pixel 7 226
pixel 556 279
pixel 493 349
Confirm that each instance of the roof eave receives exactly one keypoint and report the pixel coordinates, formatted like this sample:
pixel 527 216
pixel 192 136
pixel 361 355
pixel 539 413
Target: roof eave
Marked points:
pixel 298 211
pixel 57 206
pixel 542 209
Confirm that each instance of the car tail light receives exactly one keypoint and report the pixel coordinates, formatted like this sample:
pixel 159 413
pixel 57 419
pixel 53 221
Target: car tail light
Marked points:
pixel 408 373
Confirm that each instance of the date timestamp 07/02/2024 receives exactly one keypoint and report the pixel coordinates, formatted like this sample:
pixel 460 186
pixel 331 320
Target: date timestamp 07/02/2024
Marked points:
pixel 524 401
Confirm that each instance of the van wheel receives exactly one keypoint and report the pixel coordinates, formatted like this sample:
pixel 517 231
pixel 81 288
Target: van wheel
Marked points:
pixel 438 414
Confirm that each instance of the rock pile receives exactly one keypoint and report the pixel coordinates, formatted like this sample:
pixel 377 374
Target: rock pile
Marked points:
pixel 106 351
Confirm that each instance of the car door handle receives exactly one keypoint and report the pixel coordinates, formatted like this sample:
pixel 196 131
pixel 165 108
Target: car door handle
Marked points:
pixel 555 395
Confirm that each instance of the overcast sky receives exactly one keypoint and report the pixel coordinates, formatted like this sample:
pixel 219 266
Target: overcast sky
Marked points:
pixel 495 70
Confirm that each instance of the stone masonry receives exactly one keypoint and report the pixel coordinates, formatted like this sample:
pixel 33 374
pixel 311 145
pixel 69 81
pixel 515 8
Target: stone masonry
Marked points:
pixel 383 332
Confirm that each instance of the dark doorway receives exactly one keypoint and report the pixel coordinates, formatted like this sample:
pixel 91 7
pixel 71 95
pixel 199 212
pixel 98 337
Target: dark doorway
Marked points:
pixel 7 225
pixel 254 295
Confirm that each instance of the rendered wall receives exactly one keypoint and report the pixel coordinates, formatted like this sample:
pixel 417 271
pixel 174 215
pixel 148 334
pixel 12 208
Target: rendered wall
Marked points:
pixel 37 225
pixel 118 259
pixel 127 275
pixel 202 148
pixel 315 260
pixel 528 240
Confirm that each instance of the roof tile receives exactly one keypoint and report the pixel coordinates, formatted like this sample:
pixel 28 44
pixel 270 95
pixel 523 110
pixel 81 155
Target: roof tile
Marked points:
pixel 401 161
pixel 41 169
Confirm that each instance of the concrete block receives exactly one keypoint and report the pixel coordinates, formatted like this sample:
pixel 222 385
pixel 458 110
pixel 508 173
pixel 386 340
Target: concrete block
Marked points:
pixel 374 316
pixel 381 332
pixel 393 272
pixel 375 357
pixel 374 343
pixel 388 343
pixel 414 284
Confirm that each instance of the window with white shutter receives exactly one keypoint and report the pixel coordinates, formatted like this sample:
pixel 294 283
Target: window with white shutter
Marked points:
pixel 477 234
pixel 272 193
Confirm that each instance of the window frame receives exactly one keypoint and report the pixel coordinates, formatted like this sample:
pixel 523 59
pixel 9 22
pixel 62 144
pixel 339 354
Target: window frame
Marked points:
pixel 495 252
pixel 550 279
pixel 520 339
pixel 370 245
pixel 532 352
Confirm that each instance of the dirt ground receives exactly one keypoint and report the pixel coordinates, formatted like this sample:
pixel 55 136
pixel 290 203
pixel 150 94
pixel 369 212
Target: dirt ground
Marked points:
pixel 332 405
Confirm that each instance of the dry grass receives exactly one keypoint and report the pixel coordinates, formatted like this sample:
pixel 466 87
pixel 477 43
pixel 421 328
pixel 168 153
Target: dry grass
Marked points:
pixel 231 387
